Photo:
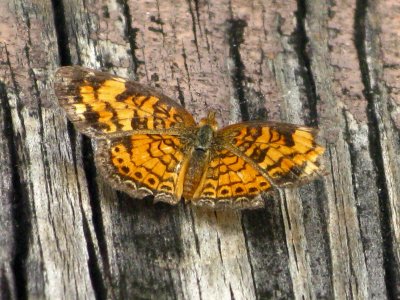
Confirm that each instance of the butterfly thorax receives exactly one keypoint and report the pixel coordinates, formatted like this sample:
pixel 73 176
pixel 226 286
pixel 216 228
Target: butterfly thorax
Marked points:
pixel 204 138
pixel 200 154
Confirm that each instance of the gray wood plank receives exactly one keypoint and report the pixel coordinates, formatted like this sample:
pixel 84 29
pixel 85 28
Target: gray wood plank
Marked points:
pixel 8 218
pixel 52 250
pixel 334 65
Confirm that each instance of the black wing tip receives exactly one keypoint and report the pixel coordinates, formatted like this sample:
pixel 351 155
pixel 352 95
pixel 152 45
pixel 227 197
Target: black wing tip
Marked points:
pixel 68 78
pixel 64 82
pixel 71 73
pixel 64 70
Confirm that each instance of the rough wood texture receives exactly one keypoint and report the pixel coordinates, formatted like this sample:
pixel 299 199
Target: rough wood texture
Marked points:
pixel 333 64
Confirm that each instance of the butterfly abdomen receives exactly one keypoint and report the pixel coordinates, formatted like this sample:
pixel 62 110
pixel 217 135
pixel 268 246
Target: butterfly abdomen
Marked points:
pixel 196 168
pixel 198 160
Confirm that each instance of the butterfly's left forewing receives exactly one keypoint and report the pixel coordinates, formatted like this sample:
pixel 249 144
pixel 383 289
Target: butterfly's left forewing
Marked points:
pixel 102 105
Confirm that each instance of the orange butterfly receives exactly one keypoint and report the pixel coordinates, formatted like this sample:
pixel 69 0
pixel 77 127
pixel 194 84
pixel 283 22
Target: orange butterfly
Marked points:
pixel 147 144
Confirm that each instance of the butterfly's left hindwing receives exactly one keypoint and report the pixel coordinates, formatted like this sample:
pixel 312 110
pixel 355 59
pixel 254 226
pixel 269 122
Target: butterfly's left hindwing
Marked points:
pixel 143 165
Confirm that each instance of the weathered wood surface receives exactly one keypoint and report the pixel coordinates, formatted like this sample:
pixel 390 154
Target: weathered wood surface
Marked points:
pixel 64 234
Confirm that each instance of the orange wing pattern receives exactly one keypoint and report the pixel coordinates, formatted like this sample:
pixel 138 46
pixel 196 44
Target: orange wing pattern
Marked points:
pixel 102 105
pixel 286 154
pixel 144 165
pixel 255 157
pixel 230 181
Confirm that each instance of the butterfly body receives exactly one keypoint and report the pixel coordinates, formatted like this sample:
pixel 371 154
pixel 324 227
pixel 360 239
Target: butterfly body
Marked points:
pixel 147 144
pixel 202 146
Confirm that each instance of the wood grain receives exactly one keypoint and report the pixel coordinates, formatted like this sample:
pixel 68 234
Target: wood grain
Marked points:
pixel 333 65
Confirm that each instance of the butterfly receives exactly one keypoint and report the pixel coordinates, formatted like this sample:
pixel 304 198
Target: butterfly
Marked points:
pixel 147 144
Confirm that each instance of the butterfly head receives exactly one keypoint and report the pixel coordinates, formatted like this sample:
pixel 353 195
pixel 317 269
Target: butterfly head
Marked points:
pixel 209 120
